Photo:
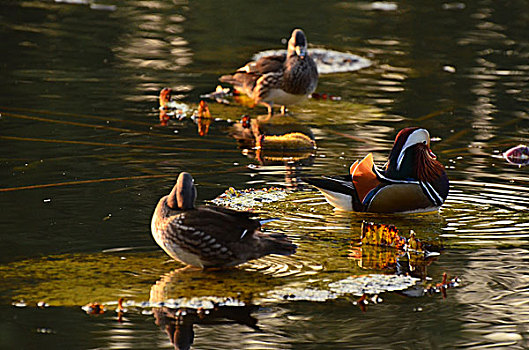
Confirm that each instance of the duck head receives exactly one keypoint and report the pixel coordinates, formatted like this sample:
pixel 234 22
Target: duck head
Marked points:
pixel 297 45
pixel 165 96
pixel 412 158
pixel 183 195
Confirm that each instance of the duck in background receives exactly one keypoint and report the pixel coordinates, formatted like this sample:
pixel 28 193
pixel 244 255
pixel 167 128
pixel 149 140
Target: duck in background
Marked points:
pixel 413 180
pixel 210 236
pixel 280 79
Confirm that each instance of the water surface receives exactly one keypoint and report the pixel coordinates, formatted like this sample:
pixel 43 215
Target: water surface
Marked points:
pixel 79 103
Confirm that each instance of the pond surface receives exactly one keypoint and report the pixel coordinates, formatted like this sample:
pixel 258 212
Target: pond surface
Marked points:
pixel 79 103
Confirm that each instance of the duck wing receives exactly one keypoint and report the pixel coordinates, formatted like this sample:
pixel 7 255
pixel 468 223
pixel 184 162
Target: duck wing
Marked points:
pixel 364 177
pixel 225 237
pixel 224 224
pixel 266 64
pixel 399 197
pixel 245 78
pixel 395 195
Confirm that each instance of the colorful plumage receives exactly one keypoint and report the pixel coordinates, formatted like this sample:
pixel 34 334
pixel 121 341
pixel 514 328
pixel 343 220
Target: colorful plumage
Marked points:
pixel 412 180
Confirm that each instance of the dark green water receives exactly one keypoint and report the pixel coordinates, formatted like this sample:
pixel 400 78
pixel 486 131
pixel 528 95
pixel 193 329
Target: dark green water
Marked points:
pixel 460 70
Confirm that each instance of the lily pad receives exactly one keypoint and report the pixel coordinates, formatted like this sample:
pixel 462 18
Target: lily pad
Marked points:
pixel 250 198
pixel 372 284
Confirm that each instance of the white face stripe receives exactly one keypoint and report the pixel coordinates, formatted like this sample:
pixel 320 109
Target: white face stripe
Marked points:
pixel 418 136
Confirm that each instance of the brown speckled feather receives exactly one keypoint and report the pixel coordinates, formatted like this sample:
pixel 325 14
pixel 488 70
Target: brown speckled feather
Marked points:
pixel 281 79
pixel 210 236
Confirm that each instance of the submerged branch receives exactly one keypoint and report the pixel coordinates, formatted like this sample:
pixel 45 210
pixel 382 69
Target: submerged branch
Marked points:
pixel 95 126
pixel 65 114
pixel 103 144
pixel 80 182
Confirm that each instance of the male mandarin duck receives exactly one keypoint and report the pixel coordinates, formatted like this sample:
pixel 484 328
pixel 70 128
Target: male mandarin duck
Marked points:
pixel 279 79
pixel 412 180
pixel 210 236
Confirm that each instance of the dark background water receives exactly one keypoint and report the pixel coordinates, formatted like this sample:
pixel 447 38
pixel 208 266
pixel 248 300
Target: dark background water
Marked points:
pixel 459 69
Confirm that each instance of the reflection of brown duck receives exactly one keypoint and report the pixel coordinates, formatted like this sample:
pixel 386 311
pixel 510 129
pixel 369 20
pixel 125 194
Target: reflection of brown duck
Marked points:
pixel 210 236
pixel 277 140
pixel 178 323
pixel 274 130
pixel 290 141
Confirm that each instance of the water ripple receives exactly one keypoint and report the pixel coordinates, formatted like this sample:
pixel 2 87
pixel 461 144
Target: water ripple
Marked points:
pixel 480 214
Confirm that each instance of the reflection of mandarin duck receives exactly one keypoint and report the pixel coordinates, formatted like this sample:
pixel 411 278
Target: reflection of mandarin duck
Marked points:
pixel 281 79
pixel 412 181
pixel 210 236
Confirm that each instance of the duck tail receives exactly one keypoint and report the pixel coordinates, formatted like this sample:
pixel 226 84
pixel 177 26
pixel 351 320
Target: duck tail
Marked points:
pixel 278 243
pixel 244 82
pixel 229 78
pixel 339 191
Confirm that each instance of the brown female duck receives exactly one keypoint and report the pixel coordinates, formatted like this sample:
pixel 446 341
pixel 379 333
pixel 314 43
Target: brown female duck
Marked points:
pixel 280 79
pixel 210 236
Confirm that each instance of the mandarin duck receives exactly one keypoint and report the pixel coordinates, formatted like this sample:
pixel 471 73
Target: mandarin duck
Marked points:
pixel 279 79
pixel 413 180
pixel 210 236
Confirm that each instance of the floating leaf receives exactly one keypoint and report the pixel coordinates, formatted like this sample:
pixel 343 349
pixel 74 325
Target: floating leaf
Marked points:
pixel 376 258
pixel 381 235
pixel 302 294
pixel 250 198
pixel 434 289
pixel 372 284
pixel 518 155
